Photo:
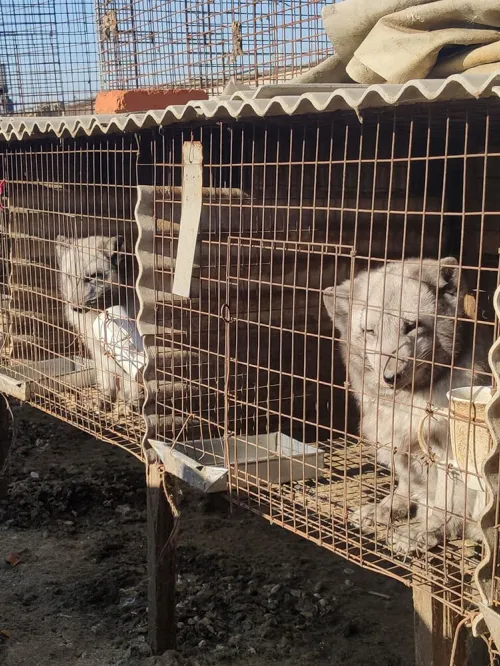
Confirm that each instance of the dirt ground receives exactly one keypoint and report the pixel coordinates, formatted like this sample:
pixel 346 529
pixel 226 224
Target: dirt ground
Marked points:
pixel 249 594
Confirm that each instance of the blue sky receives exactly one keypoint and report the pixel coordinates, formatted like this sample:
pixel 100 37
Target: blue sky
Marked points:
pixel 49 49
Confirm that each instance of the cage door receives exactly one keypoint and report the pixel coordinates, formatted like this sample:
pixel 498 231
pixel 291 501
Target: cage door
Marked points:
pixel 280 362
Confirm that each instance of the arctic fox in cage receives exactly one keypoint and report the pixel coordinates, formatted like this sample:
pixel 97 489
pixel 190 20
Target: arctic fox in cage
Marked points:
pixel 89 283
pixel 404 329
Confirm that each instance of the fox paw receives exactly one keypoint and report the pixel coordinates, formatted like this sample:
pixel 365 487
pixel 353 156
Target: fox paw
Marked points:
pixel 368 515
pixel 413 538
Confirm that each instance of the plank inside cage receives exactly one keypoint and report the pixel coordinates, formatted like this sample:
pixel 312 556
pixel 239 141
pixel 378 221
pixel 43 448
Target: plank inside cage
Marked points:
pixel 22 379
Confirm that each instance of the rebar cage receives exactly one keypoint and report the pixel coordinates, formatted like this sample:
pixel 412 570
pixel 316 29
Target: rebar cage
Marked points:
pixel 204 44
pixel 55 55
pixel 258 370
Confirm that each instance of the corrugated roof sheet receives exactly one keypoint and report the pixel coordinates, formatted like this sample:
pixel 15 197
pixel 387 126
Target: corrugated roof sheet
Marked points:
pixel 283 99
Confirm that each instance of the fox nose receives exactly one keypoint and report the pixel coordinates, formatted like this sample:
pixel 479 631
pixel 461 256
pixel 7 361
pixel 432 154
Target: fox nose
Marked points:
pixel 390 378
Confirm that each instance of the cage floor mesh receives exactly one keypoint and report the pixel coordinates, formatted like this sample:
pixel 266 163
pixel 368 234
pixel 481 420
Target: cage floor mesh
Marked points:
pixel 120 425
pixel 318 509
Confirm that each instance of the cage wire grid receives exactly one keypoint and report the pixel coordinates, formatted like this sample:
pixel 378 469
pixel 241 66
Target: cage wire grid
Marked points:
pixel 58 193
pixel 289 208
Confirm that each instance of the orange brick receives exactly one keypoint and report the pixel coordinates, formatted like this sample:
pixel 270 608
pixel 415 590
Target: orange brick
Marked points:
pixel 144 99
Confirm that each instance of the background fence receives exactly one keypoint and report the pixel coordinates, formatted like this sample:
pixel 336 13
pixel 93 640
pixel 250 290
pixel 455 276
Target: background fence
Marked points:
pixel 56 54
pixel 48 57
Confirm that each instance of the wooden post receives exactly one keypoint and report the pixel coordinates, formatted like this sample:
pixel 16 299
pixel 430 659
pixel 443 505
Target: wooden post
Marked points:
pixel 435 626
pixel 162 524
pixel 5 443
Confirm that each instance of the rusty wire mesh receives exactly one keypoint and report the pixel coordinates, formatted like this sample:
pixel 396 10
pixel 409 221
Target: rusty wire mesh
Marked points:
pixel 58 193
pixel 290 208
pixel 204 44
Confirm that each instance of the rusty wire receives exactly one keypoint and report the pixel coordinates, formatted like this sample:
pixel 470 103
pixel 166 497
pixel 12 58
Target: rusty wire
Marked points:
pixel 203 45
pixel 58 189
pixel 288 210
pixel 55 55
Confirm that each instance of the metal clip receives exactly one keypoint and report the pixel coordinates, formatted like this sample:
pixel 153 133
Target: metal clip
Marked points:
pixel 225 313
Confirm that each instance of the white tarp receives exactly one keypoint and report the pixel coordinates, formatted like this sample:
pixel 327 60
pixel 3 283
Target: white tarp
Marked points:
pixel 395 41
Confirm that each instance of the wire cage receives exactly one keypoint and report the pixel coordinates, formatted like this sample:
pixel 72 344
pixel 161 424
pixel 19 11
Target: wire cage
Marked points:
pixel 317 343
pixel 342 288
pixel 48 57
pixel 59 193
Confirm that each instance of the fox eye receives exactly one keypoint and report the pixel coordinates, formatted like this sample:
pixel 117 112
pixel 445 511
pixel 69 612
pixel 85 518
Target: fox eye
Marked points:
pixel 368 331
pixel 92 276
pixel 409 326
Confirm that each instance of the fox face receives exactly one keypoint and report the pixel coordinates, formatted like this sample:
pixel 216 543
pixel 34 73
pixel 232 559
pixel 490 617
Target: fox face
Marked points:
pixel 89 276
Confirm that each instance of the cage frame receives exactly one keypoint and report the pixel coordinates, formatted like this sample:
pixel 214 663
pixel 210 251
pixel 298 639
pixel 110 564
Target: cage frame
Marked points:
pixel 24 127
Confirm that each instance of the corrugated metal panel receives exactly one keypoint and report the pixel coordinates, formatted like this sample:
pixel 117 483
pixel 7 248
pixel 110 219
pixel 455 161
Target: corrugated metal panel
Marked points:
pixel 265 101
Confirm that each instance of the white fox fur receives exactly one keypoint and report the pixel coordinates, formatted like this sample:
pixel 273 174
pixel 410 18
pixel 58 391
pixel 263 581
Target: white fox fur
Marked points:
pixel 89 283
pixel 406 351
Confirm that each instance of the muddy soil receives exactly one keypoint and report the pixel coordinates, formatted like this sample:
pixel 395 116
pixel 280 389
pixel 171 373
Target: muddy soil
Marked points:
pixel 249 594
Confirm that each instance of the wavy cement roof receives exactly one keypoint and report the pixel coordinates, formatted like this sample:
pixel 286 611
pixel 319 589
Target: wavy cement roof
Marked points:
pixel 265 101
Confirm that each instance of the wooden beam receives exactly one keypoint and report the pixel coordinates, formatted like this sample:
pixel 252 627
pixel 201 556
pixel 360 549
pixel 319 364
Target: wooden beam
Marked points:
pixel 5 443
pixel 435 627
pixel 162 527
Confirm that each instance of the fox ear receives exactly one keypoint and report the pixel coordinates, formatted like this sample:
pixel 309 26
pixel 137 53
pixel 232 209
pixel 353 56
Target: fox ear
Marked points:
pixel 116 244
pixel 336 300
pixel 61 243
pixel 453 284
pixel 450 279
pixel 443 274
pixel 115 247
pixel 445 277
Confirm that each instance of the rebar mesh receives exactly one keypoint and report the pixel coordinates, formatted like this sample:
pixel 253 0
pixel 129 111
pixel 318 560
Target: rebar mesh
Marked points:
pixel 204 44
pixel 56 54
